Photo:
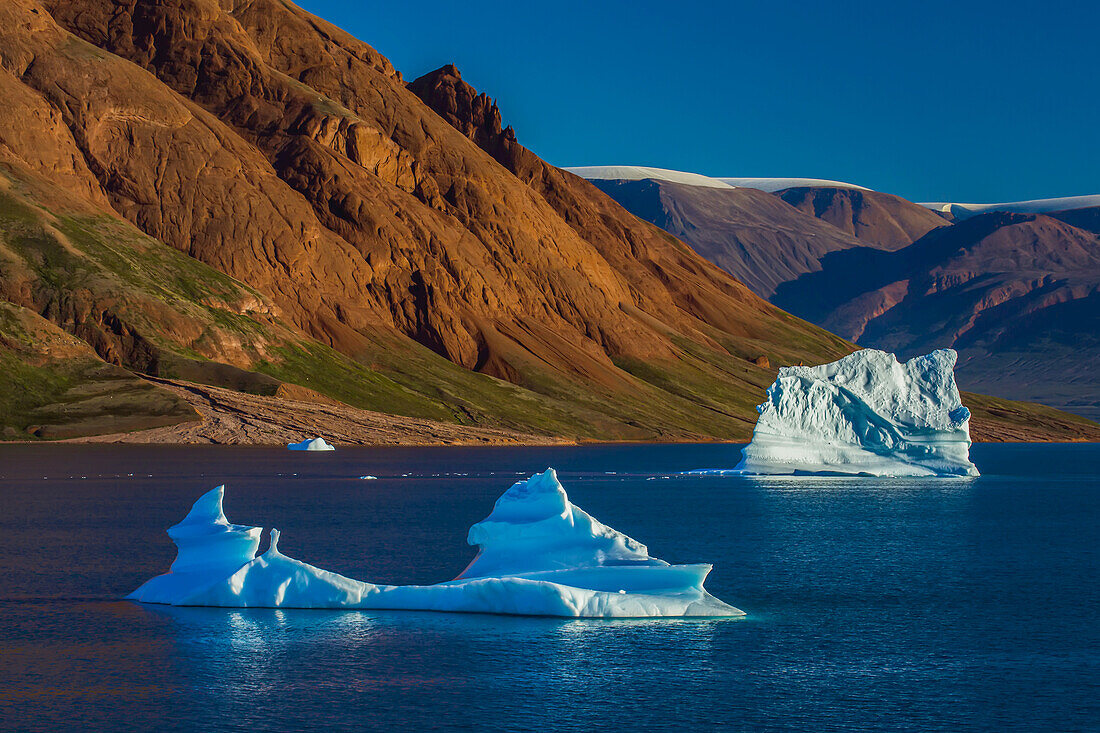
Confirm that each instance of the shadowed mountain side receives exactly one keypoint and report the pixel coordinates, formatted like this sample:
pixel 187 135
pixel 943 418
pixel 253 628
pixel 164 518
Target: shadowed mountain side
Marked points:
pixel 879 220
pixel 1087 218
pixel 751 234
pixel 1015 294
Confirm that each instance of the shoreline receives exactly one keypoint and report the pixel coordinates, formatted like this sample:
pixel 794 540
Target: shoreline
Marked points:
pixel 228 417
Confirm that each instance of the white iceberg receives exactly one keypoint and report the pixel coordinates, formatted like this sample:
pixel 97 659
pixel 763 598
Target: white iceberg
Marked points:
pixel 312 445
pixel 539 555
pixel 207 546
pixel 864 414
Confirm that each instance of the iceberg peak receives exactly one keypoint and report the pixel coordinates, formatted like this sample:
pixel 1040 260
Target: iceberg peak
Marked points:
pixel 534 526
pixel 207 546
pixel 207 510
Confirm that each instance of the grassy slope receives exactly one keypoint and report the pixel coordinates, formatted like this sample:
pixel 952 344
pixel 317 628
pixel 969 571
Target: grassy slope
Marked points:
pixel 995 419
pixel 74 262
pixel 52 385
pixel 187 311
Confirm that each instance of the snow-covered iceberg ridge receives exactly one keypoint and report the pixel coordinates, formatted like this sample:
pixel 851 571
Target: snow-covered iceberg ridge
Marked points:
pixel 538 556
pixel 864 414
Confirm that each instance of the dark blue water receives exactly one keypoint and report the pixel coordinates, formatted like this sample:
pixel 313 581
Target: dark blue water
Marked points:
pixel 873 604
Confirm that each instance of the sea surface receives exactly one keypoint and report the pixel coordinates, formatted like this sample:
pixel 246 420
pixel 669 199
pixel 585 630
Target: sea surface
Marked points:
pixel 873 604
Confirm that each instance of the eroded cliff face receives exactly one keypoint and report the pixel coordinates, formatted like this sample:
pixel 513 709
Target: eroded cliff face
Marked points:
pixel 376 212
pixel 879 220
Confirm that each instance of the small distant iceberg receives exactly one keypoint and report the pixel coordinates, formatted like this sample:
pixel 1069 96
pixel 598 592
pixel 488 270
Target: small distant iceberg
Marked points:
pixel 538 556
pixel 311 445
pixel 866 414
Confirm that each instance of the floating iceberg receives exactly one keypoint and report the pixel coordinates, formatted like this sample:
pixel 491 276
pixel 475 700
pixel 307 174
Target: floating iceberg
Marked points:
pixel 207 546
pixel 864 414
pixel 538 555
pixel 307 444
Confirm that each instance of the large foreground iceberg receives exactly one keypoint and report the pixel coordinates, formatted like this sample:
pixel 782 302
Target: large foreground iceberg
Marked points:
pixel 864 414
pixel 538 555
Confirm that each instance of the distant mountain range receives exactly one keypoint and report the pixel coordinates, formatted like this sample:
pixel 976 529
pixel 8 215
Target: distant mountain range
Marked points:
pixel 1014 287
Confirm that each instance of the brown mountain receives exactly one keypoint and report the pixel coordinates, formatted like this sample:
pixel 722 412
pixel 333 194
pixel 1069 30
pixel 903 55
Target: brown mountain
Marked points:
pixel 240 194
pixel 374 252
pixel 1018 295
pixel 759 240
pixel 746 232
pixel 750 234
pixel 1087 218
pixel 880 220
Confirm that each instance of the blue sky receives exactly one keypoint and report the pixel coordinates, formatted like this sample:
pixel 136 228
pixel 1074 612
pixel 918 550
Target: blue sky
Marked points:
pixel 967 101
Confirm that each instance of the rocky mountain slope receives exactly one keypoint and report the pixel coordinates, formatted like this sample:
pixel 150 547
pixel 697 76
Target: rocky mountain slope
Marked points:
pixel 1015 293
pixel 1087 218
pixel 236 193
pixel 879 220
pixel 750 234
pixel 333 232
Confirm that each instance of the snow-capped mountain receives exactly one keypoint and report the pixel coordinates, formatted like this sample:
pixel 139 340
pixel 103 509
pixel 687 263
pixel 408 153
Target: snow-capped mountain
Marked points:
pixel 642 173
pixel 1033 206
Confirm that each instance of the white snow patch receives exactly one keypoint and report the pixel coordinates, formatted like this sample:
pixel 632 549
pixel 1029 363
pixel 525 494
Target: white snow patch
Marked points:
pixel 538 555
pixel 864 414
pixel 311 445
pixel 1034 206
pixel 771 185
pixel 641 173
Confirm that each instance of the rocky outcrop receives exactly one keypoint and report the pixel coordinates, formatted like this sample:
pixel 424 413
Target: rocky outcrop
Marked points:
pixel 879 220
